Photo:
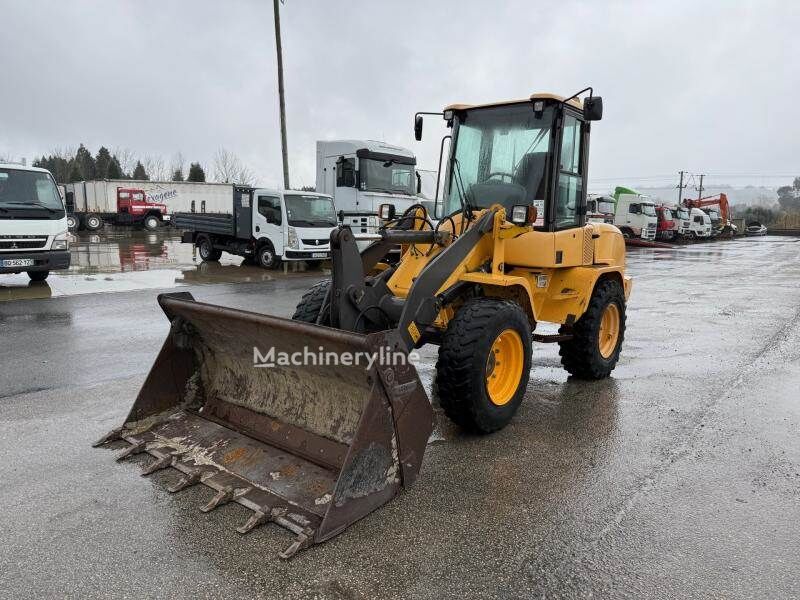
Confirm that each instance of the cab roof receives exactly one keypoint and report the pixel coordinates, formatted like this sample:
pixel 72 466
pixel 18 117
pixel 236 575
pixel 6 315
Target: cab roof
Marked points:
pixel 574 102
pixel 21 167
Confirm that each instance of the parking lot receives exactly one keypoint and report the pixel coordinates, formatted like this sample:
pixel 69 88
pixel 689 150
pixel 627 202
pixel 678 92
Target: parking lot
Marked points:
pixel 677 477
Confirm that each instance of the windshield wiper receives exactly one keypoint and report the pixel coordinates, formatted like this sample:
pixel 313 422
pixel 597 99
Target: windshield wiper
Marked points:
pixel 37 204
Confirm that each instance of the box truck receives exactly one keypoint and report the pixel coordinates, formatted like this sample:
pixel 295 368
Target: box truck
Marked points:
pixel 90 204
pixel 264 226
pixel 33 223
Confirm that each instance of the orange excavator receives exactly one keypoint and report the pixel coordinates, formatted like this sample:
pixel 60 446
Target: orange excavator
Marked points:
pixel 725 226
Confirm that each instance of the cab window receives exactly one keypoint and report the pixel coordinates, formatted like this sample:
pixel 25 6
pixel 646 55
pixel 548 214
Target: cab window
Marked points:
pixel 270 208
pixel 570 179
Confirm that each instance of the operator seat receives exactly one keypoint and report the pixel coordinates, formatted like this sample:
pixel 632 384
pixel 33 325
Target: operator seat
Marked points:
pixel 532 175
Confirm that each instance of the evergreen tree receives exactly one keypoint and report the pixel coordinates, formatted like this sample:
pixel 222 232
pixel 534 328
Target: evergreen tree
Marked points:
pixel 75 172
pixel 177 175
pixel 85 163
pixel 114 170
pixel 196 173
pixel 139 173
pixel 101 163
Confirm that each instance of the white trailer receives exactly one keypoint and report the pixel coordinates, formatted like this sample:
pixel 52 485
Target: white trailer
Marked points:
pixel 150 203
pixel 361 175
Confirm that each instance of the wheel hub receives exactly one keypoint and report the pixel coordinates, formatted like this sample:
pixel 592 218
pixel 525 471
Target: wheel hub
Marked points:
pixel 608 335
pixel 504 367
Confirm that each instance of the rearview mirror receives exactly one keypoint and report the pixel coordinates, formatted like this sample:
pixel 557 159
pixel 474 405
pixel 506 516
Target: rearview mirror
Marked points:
pixel 418 127
pixel 593 108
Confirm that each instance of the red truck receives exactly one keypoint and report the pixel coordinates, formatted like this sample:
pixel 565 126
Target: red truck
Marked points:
pixel 92 203
pixel 666 223
pixel 133 207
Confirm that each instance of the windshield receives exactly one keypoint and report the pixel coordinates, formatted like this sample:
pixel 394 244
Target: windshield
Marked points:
pixel 500 157
pixel 683 214
pixel 310 211
pixel 386 176
pixel 29 191
pixel 649 210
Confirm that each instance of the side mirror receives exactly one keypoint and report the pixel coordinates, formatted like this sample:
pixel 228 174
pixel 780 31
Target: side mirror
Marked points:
pixel 386 212
pixel 419 182
pixel 593 108
pixel 418 127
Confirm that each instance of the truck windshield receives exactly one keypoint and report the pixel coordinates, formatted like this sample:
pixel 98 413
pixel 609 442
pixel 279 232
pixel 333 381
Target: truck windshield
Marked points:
pixel 500 157
pixel 386 176
pixel 33 192
pixel 310 211
pixel 649 210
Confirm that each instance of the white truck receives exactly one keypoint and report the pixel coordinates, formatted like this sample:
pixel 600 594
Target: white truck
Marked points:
pixel 33 223
pixel 699 225
pixel 635 214
pixel 264 226
pixel 599 209
pixel 361 175
pixel 90 204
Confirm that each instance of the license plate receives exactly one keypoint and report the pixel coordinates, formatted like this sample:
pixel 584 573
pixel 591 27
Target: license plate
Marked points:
pixel 16 262
pixel 319 255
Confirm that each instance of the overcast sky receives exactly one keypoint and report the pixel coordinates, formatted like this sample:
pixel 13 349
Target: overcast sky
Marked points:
pixel 703 86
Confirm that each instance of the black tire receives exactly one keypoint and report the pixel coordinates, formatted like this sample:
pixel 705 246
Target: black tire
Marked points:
pixel 93 223
pixel 73 222
pixel 581 356
pixel 626 233
pixel 207 252
pixel 266 257
pixel 38 275
pixel 151 222
pixel 464 363
pixel 314 264
pixel 314 302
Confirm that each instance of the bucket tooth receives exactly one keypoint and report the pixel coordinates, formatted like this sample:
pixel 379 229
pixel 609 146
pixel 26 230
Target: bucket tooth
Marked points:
pixel 302 540
pixel 135 448
pixel 158 464
pixel 257 518
pixel 223 496
pixel 186 481
pixel 111 436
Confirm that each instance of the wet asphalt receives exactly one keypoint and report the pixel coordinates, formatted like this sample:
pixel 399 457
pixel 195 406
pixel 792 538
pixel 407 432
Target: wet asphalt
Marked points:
pixel 677 477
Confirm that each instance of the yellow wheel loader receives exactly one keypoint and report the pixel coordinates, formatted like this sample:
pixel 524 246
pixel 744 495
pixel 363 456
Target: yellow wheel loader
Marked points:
pixel 314 422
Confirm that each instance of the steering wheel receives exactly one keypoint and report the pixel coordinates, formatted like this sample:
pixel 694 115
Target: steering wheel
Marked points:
pixel 501 175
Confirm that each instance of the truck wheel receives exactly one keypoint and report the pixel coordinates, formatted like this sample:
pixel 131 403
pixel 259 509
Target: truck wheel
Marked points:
pixel 266 257
pixel 314 302
pixel 207 251
pixel 484 364
pixel 626 233
pixel 151 222
pixel 93 222
pixel 38 275
pixel 72 222
pixel 593 351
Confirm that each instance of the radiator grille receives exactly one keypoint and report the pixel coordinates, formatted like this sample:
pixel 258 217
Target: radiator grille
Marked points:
pixel 588 246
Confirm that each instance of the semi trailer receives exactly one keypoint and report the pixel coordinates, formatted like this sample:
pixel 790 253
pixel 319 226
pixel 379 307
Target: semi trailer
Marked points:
pixel 91 204
pixel 264 226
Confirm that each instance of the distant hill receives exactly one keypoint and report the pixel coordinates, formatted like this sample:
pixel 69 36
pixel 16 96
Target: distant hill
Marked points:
pixel 750 195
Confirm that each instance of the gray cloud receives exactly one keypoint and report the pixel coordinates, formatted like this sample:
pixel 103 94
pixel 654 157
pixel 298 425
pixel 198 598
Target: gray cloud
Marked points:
pixel 705 86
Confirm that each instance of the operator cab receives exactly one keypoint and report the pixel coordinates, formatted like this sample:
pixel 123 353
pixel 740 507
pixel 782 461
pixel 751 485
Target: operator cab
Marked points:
pixel 530 152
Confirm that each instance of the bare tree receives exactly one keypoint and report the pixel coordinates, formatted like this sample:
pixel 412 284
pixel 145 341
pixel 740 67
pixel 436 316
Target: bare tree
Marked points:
pixel 126 159
pixel 156 168
pixel 229 169
pixel 177 163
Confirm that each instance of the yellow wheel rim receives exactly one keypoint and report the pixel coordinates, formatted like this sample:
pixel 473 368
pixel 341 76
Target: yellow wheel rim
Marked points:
pixel 609 331
pixel 504 367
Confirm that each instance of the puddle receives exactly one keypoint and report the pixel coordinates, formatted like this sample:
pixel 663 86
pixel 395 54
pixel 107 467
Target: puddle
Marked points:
pixel 120 260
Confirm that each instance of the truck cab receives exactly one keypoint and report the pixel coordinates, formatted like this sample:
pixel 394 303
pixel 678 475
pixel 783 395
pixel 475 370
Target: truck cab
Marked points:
pixel 134 206
pixel 635 214
pixel 599 209
pixel 362 175
pixel 699 224
pixel 666 223
pixel 33 223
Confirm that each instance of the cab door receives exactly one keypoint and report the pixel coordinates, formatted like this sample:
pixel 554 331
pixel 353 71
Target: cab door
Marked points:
pixel 569 203
pixel 268 219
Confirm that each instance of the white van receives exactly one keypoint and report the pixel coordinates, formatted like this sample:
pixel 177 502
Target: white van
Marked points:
pixel 33 223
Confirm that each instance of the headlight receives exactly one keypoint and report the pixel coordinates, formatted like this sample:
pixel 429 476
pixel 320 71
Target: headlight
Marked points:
pixel 60 242
pixel 292 234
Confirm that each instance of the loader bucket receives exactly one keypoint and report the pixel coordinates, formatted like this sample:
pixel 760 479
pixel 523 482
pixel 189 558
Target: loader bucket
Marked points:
pixel 307 444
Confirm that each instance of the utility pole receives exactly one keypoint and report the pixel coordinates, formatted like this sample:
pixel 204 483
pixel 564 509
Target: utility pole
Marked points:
pixel 680 188
pixel 279 50
pixel 700 189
